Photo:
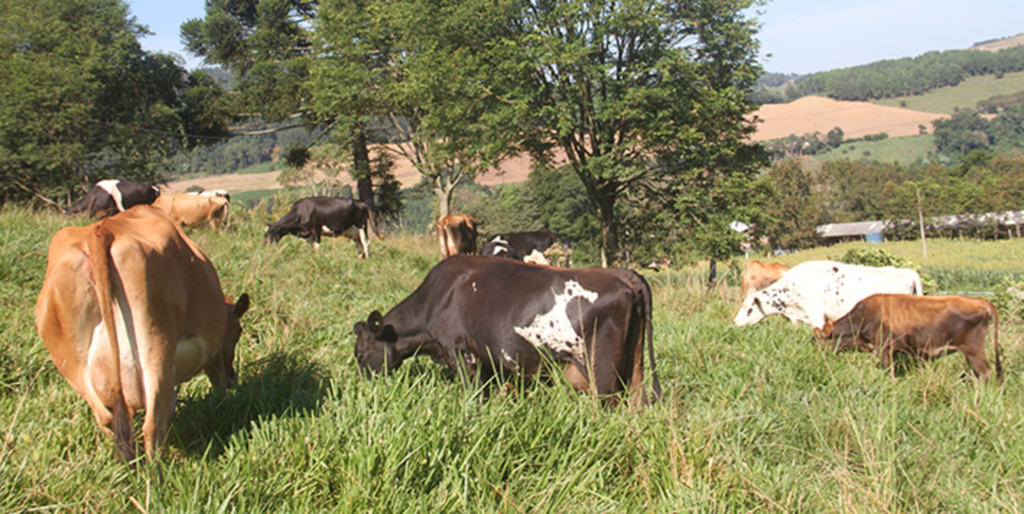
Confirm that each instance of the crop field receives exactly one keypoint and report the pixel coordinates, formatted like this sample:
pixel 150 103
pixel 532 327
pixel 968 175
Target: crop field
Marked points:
pixel 758 418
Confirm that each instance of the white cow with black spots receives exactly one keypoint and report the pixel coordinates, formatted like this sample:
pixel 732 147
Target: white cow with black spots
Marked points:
pixel 818 291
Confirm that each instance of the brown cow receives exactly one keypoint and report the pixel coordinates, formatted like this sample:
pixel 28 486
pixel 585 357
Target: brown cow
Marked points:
pixel 456 234
pixel 923 326
pixel 759 275
pixel 194 210
pixel 130 306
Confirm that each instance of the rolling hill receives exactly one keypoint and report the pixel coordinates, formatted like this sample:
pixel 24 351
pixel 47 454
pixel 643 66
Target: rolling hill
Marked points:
pixel 897 117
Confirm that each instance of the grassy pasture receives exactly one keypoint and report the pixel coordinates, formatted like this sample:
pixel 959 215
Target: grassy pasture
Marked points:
pixel 965 95
pixel 758 418
pixel 905 150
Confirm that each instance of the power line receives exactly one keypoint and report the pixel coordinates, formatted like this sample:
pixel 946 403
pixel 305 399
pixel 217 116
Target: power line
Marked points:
pixel 196 136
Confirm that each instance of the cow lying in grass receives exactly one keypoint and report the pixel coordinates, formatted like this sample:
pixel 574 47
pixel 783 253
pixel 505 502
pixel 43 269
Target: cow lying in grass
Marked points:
pixel 927 327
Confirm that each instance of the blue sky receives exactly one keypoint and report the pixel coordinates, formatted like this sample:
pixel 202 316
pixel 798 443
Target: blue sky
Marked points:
pixel 801 36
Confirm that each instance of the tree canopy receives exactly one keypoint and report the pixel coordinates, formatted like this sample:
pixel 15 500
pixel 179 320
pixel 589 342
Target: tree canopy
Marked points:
pixel 643 97
pixel 81 101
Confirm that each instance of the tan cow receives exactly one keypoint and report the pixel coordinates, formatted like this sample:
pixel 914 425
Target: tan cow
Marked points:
pixel 456 234
pixel 927 327
pixel 194 210
pixel 130 307
pixel 759 275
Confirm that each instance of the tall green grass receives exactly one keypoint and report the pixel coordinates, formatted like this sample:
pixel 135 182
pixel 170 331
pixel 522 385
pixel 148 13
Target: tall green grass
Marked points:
pixel 758 418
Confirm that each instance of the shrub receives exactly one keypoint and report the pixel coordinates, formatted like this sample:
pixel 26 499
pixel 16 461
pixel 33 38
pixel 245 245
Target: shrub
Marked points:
pixel 878 257
pixel 1009 297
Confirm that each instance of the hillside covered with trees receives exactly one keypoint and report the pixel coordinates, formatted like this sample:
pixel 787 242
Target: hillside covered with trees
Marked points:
pixel 893 78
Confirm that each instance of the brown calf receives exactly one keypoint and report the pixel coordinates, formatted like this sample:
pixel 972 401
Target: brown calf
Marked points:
pixel 927 327
pixel 456 234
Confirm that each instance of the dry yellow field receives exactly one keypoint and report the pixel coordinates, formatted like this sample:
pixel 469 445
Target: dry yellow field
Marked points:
pixel 1001 44
pixel 857 119
pixel 512 171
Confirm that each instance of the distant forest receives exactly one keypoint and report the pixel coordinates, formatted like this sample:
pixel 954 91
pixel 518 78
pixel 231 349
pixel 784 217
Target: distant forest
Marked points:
pixel 892 78
pixel 237 153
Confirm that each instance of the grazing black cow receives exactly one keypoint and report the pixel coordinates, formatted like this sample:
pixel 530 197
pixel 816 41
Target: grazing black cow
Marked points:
pixel 108 197
pixel 519 245
pixel 313 216
pixel 488 317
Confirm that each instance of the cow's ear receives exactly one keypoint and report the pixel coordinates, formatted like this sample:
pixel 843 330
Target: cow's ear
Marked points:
pixel 376 323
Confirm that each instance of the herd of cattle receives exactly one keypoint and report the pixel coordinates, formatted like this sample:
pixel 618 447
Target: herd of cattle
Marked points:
pixel 131 306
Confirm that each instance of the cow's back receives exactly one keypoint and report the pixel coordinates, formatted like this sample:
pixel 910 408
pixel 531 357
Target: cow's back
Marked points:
pixel 192 210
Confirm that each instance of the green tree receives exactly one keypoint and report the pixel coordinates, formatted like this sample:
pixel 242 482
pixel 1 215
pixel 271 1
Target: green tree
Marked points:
pixel 961 133
pixel 641 94
pixel 418 85
pixel 81 101
pixel 796 209
pixel 1007 129
pixel 835 137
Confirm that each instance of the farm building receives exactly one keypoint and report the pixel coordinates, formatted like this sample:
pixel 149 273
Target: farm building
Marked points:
pixel 1006 224
pixel 870 231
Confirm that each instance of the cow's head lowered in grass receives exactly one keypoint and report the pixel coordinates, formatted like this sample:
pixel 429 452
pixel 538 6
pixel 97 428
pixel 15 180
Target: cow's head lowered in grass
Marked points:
pixel 485 317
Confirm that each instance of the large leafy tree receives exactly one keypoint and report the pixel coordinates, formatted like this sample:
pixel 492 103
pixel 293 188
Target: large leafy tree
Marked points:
pixel 269 47
pixel 413 75
pixel 81 101
pixel 640 95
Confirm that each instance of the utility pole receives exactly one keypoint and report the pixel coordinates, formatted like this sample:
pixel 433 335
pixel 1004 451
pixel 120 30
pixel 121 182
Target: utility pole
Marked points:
pixel 920 218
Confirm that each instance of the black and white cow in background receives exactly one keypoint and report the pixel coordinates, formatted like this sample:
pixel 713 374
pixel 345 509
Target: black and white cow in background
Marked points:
pixel 313 216
pixel 108 197
pixel 498 317
pixel 528 246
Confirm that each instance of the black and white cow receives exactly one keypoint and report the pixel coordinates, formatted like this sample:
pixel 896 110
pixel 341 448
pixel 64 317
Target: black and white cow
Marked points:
pixel 108 197
pixel 489 317
pixel 313 216
pixel 520 245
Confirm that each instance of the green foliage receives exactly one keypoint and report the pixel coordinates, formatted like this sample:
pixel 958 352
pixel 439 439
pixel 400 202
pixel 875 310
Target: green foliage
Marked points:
pixel 264 43
pixel 240 153
pixel 81 101
pixel 908 76
pixel 795 209
pixel 1009 297
pixel 422 87
pixel 963 132
pixel 878 257
pixel 638 95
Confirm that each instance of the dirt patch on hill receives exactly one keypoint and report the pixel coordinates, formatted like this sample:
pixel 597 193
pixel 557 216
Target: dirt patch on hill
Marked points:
pixel 513 171
pixel 857 119
pixel 995 46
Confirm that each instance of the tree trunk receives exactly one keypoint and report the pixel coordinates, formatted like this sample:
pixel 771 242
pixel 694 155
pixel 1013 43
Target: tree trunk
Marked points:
pixel 605 204
pixel 364 183
pixel 444 197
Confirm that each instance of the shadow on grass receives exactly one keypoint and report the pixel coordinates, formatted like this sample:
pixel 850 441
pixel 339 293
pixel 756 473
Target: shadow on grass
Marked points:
pixel 281 384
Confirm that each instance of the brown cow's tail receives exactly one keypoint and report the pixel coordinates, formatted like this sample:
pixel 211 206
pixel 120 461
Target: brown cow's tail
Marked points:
pixel 649 321
pixel 99 243
pixel 995 342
